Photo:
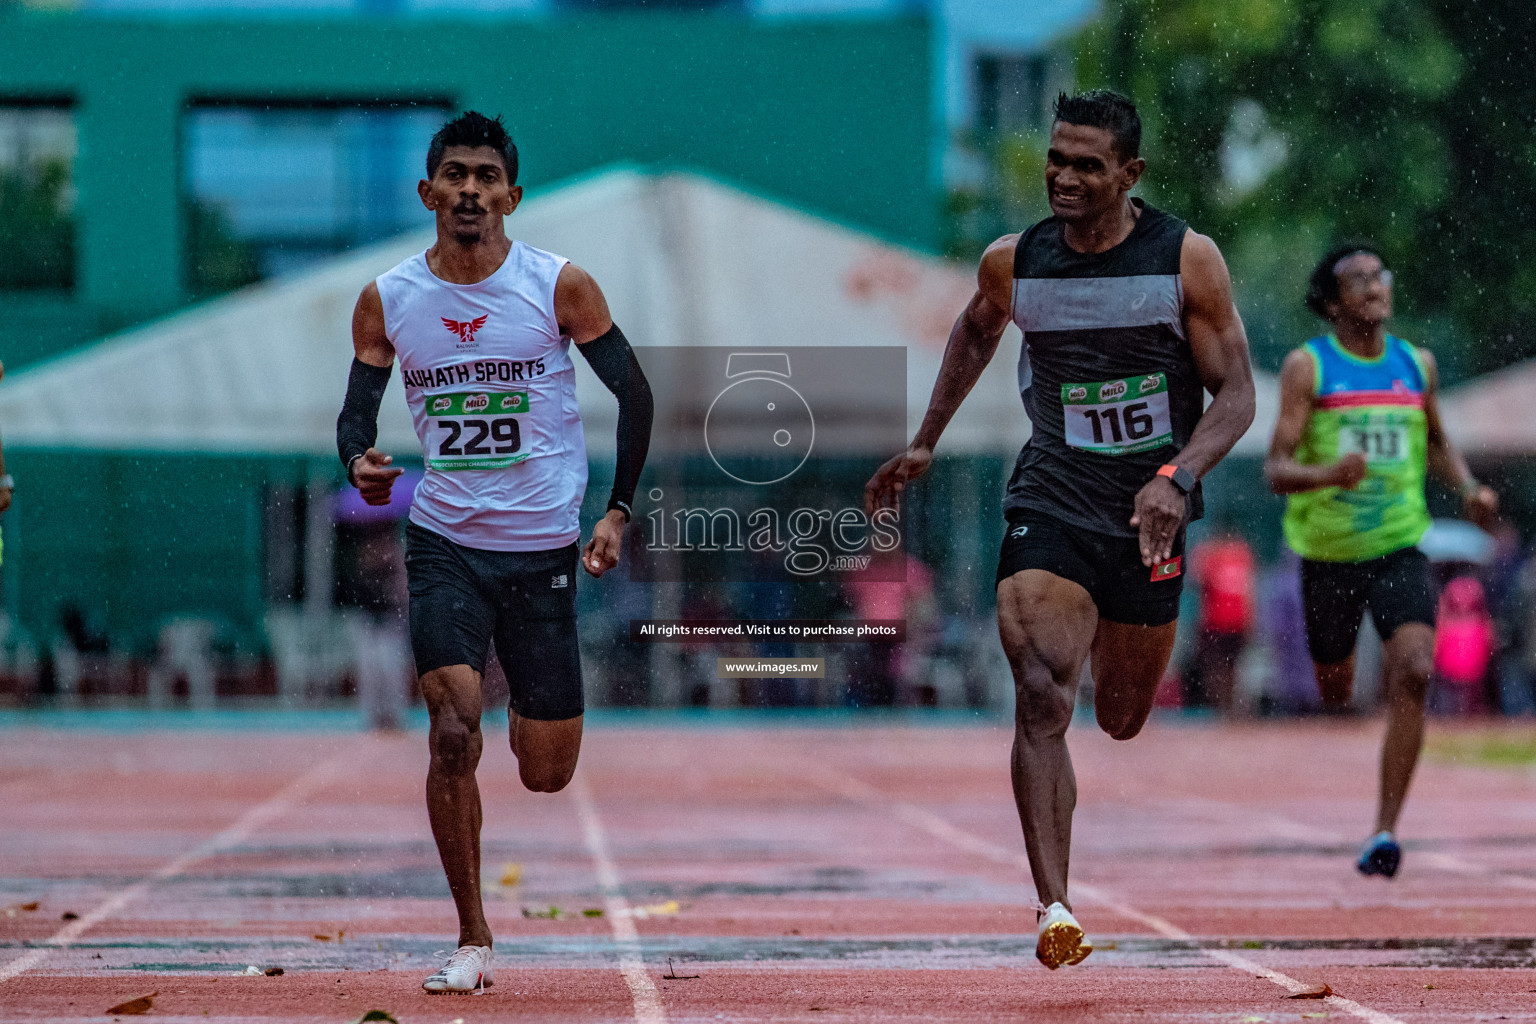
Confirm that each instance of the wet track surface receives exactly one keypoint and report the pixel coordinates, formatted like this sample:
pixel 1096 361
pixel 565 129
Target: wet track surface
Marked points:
pixel 868 873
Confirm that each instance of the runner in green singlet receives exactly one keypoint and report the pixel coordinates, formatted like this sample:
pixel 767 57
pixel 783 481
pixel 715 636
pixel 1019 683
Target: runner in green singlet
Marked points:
pixel 1358 430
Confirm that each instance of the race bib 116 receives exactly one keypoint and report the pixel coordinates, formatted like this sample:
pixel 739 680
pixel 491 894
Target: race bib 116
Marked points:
pixel 1118 417
pixel 475 429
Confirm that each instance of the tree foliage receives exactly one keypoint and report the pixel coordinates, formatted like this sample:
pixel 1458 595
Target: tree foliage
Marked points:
pixel 1281 126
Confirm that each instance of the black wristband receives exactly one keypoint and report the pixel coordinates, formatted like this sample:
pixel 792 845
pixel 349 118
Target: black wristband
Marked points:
pixel 615 505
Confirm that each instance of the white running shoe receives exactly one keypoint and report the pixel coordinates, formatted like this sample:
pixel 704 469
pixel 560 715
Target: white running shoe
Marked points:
pixel 1061 941
pixel 468 970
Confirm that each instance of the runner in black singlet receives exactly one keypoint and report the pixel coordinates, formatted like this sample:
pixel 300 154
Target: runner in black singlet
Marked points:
pixel 1127 318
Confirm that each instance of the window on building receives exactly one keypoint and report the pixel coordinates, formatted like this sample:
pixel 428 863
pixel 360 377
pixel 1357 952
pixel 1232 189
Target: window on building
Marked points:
pixel 1012 93
pixel 37 197
pixel 270 191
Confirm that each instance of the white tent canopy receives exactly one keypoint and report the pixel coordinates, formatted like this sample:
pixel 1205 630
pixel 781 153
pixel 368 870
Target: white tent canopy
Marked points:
pixel 1484 416
pixel 683 260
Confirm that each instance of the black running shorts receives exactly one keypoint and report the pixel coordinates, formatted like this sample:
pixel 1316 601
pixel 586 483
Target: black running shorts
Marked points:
pixel 1106 566
pixel 1397 588
pixel 464 598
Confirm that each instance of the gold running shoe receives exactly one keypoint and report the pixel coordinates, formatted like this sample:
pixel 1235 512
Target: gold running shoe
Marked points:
pixel 1061 942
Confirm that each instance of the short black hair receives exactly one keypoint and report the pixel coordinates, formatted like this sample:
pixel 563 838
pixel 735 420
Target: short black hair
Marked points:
pixel 472 129
pixel 1323 285
pixel 1103 108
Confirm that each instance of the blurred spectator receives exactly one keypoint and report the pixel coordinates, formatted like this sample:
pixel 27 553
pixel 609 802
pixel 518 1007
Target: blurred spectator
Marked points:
pixel 375 584
pixel 1517 670
pixel 1511 600
pixel 1464 640
pixel 1285 627
pixel 1223 573
pixel 878 667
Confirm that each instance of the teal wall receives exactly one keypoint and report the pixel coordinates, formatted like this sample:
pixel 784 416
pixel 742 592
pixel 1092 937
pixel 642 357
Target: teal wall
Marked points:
pixel 133 539
pixel 831 115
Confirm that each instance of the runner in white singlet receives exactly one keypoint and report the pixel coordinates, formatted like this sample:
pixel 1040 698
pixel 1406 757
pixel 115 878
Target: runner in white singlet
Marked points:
pixel 482 327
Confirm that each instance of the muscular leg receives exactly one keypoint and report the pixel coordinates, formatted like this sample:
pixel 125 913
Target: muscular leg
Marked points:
pixel 453 797
pixel 1047 625
pixel 1336 682
pixel 546 751
pixel 1409 657
pixel 1128 663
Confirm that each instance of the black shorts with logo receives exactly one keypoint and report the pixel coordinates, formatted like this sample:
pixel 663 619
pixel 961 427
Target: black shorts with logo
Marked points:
pixel 1397 587
pixel 464 598
pixel 1106 566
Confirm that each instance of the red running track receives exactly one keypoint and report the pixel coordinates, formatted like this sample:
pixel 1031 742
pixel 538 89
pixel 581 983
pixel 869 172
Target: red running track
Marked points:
pixel 823 874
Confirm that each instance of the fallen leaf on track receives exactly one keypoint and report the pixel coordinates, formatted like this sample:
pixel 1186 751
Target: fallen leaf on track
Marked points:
pixel 252 970
pixel 383 1015
pixel 1315 992
pixel 592 912
pixel 273 972
pixel 667 909
pixel 552 914
pixel 511 874
pixel 134 1006
pixel 69 915
pixel 17 908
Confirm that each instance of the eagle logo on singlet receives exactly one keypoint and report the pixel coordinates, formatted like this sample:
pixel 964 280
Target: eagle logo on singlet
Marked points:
pixel 465 329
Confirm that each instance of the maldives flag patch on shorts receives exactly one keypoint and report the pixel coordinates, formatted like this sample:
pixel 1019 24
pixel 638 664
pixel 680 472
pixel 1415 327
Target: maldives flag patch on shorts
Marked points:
pixel 1169 569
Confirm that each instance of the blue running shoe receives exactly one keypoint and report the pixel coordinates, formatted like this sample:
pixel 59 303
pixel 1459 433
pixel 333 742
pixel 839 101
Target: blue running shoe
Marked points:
pixel 1380 856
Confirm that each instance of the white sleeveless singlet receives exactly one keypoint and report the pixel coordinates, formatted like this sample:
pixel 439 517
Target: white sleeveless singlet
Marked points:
pixel 492 392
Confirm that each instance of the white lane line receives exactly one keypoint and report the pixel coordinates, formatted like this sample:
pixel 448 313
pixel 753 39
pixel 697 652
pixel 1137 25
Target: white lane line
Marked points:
pixel 1288 828
pixel 616 908
pixel 280 803
pixel 861 792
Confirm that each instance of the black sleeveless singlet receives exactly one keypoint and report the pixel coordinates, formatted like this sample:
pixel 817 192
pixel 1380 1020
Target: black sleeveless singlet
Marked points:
pixel 1105 371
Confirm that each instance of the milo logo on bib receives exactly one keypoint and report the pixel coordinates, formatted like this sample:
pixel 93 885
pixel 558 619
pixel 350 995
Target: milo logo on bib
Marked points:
pixel 475 430
pixel 1117 417
pixel 471 403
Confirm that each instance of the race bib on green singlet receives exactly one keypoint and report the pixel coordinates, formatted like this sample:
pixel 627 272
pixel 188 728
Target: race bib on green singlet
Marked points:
pixel 1118 417
pixel 475 429
pixel 1381 438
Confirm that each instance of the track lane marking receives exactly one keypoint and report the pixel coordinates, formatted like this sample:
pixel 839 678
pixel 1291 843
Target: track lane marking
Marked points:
pixel 859 791
pixel 275 806
pixel 616 908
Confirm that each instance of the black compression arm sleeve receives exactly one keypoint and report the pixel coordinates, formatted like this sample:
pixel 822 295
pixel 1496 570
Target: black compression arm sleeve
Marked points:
pixel 358 425
pixel 616 366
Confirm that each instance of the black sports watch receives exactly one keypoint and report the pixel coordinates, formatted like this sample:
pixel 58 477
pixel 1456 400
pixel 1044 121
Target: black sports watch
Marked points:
pixel 1180 477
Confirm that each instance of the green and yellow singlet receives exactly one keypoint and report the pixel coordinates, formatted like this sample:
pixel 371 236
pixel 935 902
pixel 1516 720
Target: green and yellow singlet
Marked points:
pixel 1374 407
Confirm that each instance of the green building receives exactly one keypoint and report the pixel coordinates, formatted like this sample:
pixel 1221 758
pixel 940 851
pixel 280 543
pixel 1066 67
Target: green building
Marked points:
pixel 832 116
